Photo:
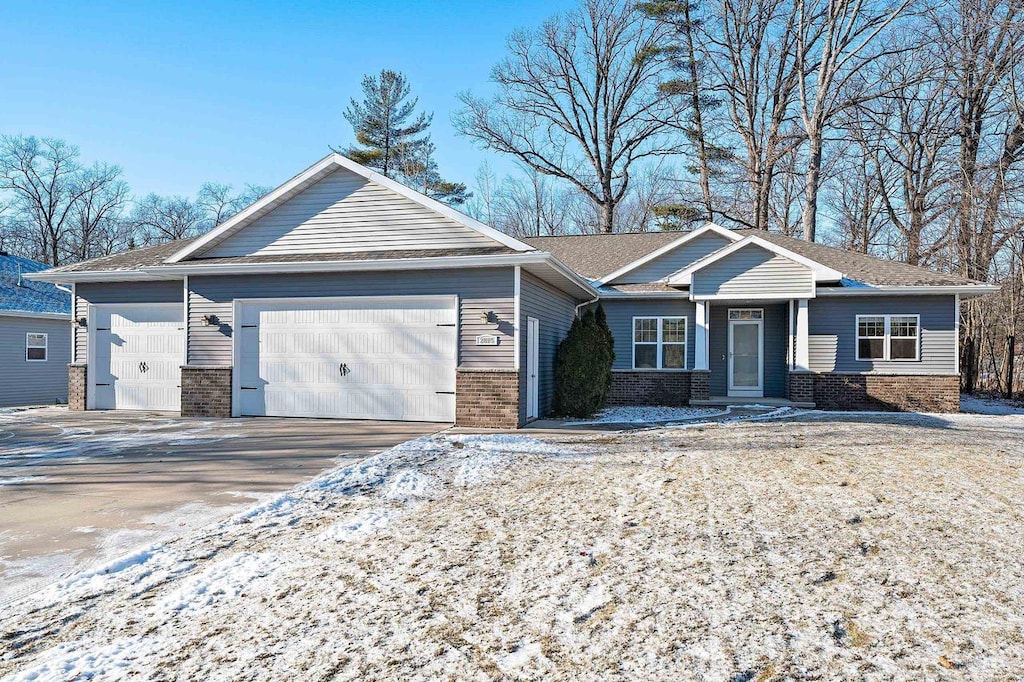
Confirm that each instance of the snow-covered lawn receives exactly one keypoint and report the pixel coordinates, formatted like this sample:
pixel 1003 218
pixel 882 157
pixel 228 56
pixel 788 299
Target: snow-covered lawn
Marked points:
pixel 649 415
pixel 826 546
pixel 980 405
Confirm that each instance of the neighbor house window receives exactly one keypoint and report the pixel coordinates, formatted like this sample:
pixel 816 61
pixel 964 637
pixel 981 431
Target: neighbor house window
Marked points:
pixel 659 343
pixel 35 347
pixel 888 337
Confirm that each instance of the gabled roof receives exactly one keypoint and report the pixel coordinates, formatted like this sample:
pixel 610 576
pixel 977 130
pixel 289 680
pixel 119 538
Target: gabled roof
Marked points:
pixel 821 273
pixel 671 246
pixel 596 255
pixel 19 294
pixel 310 177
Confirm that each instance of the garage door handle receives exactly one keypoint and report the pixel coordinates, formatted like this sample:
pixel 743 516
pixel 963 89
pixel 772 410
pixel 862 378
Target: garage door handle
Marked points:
pixel 343 369
pixel 143 367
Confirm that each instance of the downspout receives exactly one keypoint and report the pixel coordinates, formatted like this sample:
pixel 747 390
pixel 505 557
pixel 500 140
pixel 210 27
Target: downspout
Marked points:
pixel 586 303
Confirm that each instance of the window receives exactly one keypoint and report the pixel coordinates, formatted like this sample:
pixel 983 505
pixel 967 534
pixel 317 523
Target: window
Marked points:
pixel 659 343
pixel 888 337
pixel 35 347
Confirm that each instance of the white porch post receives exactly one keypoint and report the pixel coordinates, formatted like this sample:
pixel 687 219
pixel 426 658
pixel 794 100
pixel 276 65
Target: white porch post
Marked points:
pixel 700 336
pixel 803 361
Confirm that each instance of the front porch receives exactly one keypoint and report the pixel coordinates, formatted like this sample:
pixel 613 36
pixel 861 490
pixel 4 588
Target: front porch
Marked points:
pixel 751 352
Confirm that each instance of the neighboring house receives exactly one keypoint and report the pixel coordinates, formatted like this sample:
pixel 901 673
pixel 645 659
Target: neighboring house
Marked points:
pixel 343 294
pixel 35 336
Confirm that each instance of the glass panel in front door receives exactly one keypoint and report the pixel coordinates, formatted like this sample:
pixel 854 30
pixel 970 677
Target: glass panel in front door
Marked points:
pixel 745 355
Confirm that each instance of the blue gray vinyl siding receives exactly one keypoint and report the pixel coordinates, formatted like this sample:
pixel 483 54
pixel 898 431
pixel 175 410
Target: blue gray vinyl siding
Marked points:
pixel 620 315
pixel 675 260
pixel 776 335
pixel 554 311
pixel 753 272
pixel 164 291
pixel 479 291
pixel 833 333
pixel 33 383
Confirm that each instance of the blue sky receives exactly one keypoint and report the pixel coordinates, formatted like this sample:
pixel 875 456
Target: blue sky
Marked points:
pixel 181 93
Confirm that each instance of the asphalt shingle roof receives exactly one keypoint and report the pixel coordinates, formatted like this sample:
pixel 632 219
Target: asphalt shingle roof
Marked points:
pixel 29 296
pixel 591 256
pixel 594 256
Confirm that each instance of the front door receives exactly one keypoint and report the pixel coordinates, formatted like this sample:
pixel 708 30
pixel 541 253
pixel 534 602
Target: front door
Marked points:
pixel 532 368
pixel 746 351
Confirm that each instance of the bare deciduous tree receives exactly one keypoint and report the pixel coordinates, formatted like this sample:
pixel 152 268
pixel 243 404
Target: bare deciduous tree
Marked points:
pixel 579 100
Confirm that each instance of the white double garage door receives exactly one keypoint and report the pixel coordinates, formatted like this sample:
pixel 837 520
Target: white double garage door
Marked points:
pixel 390 358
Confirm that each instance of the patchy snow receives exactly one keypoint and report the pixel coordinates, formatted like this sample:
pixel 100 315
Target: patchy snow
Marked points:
pixel 979 405
pixel 20 480
pixel 650 415
pixel 826 546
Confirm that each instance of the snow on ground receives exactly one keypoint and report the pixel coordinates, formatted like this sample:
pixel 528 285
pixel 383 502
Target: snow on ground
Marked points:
pixel 827 546
pixel 979 405
pixel 649 415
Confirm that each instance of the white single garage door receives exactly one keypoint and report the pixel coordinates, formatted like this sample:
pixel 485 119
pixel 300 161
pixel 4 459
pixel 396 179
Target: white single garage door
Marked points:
pixel 137 352
pixel 387 358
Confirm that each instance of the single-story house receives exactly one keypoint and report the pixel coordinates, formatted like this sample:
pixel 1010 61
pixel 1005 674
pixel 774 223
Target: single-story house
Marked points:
pixel 344 294
pixel 35 336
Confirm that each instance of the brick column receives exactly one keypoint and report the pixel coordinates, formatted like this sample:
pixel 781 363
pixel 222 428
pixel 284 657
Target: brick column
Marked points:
pixel 487 398
pixel 77 387
pixel 205 391
pixel 700 388
pixel 801 387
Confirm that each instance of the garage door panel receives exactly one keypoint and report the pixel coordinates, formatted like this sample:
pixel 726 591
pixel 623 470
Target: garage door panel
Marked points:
pixel 137 357
pixel 398 357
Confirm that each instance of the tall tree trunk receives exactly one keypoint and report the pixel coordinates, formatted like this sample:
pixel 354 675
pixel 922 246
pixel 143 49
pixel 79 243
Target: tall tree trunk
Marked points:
pixel 811 184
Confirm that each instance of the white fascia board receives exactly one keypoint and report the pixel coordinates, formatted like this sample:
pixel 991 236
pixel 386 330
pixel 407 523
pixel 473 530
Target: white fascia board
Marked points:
pixel 704 229
pixel 963 290
pixel 820 272
pixel 755 297
pixel 34 315
pixel 242 218
pixel 96 276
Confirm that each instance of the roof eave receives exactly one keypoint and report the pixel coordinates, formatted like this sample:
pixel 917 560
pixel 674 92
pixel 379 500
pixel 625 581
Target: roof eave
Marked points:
pixel 71 277
pixel 35 315
pixel 964 290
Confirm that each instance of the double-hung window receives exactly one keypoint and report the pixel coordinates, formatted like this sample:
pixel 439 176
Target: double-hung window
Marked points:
pixel 659 343
pixel 35 347
pixel 888 337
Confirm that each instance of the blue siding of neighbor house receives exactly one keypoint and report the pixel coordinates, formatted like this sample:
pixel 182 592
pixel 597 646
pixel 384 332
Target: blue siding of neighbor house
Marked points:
pixel 164 291
pixel 479 291
pixel 33 383
pixel 776 333
pixel 620 320
pixel 554 311
pixel 675 260
pixel 833 335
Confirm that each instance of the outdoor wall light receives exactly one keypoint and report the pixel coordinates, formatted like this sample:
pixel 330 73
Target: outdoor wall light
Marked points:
pixel 210 320
pixel 488 316
pixel 82 322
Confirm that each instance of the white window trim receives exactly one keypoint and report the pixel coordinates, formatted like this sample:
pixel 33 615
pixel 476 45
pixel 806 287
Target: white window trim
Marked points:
pixel 45 346
pixel 887 338
pixel 660 344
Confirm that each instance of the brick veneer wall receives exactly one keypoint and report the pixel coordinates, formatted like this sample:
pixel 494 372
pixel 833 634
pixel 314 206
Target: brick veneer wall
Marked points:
pixel 700 384
pixel 801 387
pixel 887 392
pixel 649 388
pixel 205 391
pixel 487 398
pixel 77 387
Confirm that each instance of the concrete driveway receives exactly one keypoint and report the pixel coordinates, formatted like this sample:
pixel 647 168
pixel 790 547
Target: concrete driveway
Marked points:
pixel 81 488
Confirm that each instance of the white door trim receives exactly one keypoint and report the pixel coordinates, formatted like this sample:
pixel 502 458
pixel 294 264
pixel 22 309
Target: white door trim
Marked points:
pixel 747 391
pixel 532 368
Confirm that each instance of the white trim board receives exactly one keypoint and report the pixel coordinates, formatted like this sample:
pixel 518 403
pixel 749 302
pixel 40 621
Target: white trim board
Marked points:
pixel 313 174
pixel 819 272
pixel 671 246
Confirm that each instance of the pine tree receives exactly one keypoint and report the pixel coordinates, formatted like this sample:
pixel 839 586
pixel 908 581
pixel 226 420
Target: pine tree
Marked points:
pixel 392 138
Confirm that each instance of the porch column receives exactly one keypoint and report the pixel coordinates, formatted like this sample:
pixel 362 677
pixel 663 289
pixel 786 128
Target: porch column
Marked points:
pixel 802 360
pixel 700 337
